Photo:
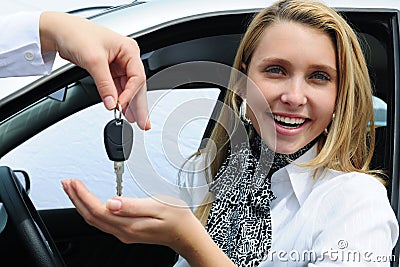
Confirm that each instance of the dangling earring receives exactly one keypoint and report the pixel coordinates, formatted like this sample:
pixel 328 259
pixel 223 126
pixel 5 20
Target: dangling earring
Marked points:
pixel 242 111
pixel 326 132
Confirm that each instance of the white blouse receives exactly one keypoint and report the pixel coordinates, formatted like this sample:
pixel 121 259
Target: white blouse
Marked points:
pixel 20 51
pixel 333 219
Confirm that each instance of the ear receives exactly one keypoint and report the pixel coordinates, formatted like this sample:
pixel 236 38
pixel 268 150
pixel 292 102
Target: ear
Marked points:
pixel 244 67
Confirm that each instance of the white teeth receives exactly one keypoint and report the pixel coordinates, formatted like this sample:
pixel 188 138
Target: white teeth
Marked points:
pixel 287 120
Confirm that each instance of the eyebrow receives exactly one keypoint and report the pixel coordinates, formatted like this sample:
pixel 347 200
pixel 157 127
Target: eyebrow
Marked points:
pixel 324 67
pixel 281 61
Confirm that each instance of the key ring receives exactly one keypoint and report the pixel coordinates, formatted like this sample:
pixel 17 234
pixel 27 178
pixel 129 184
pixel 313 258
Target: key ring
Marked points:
pixel 119 108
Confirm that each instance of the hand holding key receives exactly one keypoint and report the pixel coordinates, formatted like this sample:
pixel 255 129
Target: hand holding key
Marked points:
pixel 118 141
pixel 113 60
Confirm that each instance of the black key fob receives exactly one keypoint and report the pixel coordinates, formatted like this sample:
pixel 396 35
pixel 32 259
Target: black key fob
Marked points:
pixel 118 139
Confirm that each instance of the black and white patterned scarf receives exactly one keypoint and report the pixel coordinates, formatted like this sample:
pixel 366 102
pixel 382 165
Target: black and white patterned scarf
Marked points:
pixel 240 219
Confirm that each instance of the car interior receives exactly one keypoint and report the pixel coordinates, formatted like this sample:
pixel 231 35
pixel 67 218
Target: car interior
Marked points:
pixel 29 111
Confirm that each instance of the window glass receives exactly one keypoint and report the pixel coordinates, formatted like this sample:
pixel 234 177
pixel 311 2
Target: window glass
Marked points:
pixel 73 148
pixel 380 111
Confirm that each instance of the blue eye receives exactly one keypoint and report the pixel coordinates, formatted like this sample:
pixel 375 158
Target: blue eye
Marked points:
pixel 274 70
pixel 321 76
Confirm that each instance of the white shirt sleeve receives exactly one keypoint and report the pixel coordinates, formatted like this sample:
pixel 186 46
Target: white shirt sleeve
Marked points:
pixel 20 50
pixel 356 225
pixel 193 184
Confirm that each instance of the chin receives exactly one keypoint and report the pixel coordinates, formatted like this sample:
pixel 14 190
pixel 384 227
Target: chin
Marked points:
pixel 287 148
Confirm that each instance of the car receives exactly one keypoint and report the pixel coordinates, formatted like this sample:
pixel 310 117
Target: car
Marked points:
pixel 52 128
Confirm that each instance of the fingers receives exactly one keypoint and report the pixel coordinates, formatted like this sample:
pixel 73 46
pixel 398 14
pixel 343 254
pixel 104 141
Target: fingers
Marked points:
pixel 90 207
pixel 131 220
pixel 140 207
pixel 128 65
pixel 137 110
pixel 134 85
pixel 155 207
pixel 83 200
pixel 130 228
pixel 113 60
pixel 124 75
pixel 104 83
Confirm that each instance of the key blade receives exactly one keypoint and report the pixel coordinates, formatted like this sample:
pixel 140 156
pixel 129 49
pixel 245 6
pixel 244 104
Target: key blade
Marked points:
pixel 119 170
pixel 119 185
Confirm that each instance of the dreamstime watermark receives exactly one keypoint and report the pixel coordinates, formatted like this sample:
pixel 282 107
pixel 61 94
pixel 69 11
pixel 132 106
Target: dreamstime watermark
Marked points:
pixel 341 253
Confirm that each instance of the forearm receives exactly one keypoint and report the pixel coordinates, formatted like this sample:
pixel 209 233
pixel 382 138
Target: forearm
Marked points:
pixel 49 28
pixel 200 250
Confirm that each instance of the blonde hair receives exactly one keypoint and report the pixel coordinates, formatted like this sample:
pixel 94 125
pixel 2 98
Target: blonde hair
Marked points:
pixel 347 147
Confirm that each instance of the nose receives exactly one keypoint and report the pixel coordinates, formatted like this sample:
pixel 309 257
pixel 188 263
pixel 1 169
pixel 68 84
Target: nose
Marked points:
pixel 294 94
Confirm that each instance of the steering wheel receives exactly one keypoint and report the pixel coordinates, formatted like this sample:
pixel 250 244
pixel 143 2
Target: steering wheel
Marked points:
pixel 30 229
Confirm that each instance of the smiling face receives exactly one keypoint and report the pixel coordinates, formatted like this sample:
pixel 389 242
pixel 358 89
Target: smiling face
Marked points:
pixel 294 67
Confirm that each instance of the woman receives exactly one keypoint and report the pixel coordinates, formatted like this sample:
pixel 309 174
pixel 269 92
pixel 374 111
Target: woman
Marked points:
pixel 316 203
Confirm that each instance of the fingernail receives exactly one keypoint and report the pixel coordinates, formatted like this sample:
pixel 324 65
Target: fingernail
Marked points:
pixel 114 204
pixel 109 102
pixel 148 126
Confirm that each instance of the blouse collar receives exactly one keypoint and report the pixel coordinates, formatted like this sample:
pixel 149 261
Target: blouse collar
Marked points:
pixel 301 178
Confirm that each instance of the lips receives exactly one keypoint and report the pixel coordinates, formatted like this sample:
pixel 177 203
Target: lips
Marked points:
pixel 289 122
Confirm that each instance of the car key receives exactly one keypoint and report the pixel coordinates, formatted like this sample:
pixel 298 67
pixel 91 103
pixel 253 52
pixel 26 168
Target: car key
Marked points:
pixel 118 141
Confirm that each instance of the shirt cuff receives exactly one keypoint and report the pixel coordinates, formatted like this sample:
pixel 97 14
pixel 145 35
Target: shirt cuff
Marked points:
pixel 21 54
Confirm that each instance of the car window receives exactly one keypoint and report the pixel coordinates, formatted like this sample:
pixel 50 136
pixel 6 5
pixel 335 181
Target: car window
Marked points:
pixel 73 148
pixel 380 111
